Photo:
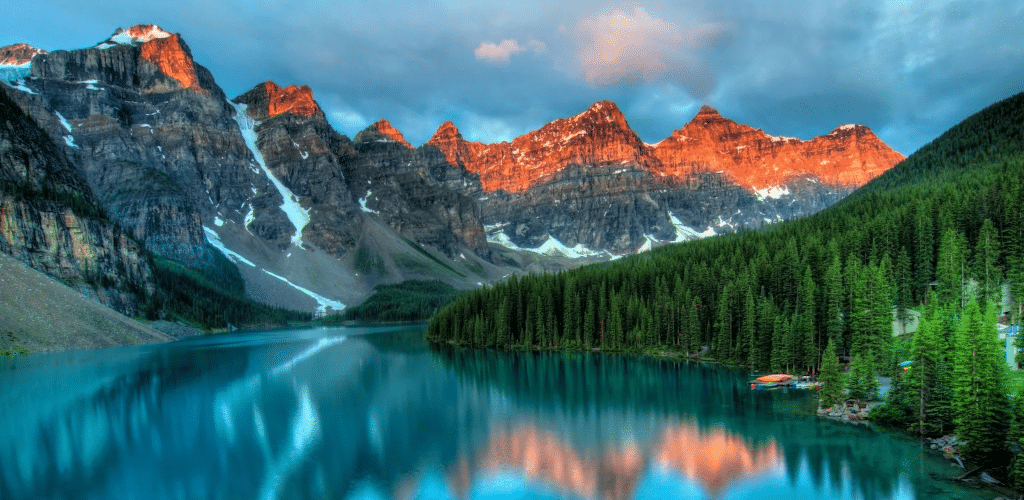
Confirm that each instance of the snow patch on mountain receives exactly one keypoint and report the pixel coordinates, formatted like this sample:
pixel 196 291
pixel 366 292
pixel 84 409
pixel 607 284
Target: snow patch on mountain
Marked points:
pixel 131 36
pixel 551 247
pixel 11 73
pixel 324 302
pixel 63 121
pixel 362 204
pixel 687 233
pixel 297 215
pixel 214 239
pixel 774 192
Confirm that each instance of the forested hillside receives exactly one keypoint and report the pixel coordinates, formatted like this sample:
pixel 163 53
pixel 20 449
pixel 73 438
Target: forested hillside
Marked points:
pixel 771 299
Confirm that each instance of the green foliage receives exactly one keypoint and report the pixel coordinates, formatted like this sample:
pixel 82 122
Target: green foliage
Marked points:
pixel 773 298
pixel 980 406
pixel 861 380
pixel 416 246
pixel 212 298
pixel 897 410
pixel 833 389
pixel 369 263
pixel 406 301
pixel 926 393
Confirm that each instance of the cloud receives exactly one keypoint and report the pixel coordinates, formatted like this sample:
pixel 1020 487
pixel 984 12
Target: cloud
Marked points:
pixel 499 53
pixel 617 47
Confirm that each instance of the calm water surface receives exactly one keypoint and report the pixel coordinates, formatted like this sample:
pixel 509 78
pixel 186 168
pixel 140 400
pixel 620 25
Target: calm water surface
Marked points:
pixel 374 413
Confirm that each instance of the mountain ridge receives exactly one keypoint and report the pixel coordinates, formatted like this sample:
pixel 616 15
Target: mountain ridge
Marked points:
pixel 266 180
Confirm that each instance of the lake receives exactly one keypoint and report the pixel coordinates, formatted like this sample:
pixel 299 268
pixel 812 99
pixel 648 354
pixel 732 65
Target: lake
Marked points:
pixel 376 413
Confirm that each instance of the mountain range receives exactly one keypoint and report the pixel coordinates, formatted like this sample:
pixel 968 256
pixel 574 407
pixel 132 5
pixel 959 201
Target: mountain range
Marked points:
pixel 135 129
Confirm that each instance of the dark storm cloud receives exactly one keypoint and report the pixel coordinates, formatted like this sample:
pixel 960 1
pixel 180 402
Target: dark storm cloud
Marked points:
pixel 907 69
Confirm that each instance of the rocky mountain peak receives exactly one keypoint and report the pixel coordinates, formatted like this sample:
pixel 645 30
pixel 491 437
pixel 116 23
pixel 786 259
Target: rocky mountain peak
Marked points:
pixel 602 112
pixel 597 136
pixel 707 112
pixel 849 156
pixel 18 54
pixel 447 131
pixel 268 100
pixel 135 35
pixel 166 50
pixel 456 149
pixel 385 132
pixel 850 128
pixel 172 56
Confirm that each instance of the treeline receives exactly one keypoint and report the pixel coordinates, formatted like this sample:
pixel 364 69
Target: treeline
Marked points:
pixel 413 300
pixel 772 299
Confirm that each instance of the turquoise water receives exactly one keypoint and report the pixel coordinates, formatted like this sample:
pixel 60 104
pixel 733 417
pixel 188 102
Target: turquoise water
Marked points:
pixel 374 413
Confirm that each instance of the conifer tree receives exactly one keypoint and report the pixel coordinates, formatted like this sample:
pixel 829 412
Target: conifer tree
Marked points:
pixel 979 399
pixel 924 253
pixel 986 263
pixel 951 269
pixel 921 380
pixel 904 289
pixel 693 328
pixel 502 337
pixel 806 330
pixel 750 329
pixel 833 294
pixel 833 390
pixel 861 380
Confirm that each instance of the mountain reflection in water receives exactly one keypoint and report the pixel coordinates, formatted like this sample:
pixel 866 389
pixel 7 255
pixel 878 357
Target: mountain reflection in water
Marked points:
pixel 373 413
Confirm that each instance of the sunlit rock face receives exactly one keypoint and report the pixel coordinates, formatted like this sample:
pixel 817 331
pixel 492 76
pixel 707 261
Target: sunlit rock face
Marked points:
pixel 849 156
pixel 306 155
pixel 599 135
pixel 268 100
pixel 18 54
pixel 588 182
pixel 387 132
pixel 156 138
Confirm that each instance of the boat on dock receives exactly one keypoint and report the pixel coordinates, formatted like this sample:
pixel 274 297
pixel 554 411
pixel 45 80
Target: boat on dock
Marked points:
pixel 772 381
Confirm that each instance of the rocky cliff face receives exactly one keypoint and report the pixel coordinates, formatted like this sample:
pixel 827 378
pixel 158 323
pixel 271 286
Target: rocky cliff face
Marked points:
pixel 600 135
pixel 848 157
pixel 50 219
pixel 18 54
pixel 156 138
pixel 590 184
pixel 341 181
pixel 267 180
pixel 301 150
pixel 414 192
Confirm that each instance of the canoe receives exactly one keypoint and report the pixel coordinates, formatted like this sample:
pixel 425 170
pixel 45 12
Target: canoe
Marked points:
pixel 774 378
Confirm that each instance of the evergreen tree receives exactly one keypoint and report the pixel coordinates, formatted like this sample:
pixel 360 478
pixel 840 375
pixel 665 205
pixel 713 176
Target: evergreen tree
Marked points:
pixel 921 380
pixel 806 330
pixel 979 399
pixel 924 246
pixel 832 389
pixel 834 300
pixel 904 289
pixel 951 269
pixel 502 338
pixel 750 329
pixel 861 380
pixel 986 268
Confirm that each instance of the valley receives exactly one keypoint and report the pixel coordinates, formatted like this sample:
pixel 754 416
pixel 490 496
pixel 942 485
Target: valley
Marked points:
pixel 314 220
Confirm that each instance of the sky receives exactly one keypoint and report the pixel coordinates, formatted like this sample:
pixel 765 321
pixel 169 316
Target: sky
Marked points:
pixel 907 69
